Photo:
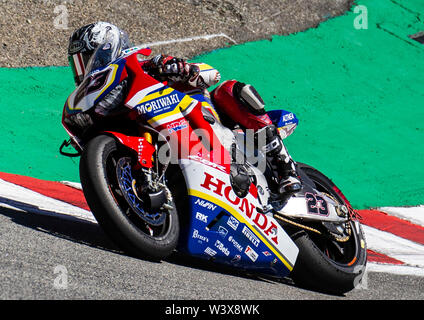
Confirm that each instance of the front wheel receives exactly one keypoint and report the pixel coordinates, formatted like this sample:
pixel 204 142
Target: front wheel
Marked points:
pixel 333 260
pixel 108 181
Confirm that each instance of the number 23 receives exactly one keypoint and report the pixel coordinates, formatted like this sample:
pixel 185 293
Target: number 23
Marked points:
pixel 316 204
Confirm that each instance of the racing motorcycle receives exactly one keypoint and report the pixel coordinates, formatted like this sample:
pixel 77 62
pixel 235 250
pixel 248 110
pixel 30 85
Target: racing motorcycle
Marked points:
pixel 161 173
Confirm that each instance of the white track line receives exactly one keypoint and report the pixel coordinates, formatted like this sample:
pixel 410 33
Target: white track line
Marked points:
pixel 23 199
pixel 204 37
pixel 412 214
pixel 395 269
pixel 74 185
pixel 393 246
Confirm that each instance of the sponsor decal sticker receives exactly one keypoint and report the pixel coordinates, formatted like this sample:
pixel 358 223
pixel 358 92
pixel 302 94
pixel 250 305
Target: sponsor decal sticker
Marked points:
pixel 222 231
pixel 288 117
pixel 222 248
pixel 251 236
pixel 205 204
pixel 159 104
pixel 210 252
pixel 177 126
pixel 233 222
pixel 76 46
pixel 207 162
pixel 251 253
pixel 202 217
pixel 236 258
pixel 235 243
pixel 198 236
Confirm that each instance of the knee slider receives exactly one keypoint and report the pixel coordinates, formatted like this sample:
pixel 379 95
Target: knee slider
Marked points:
pixel 249 97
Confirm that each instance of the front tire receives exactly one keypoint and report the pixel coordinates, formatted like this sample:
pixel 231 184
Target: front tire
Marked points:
pixel 323 263
pixel 105 198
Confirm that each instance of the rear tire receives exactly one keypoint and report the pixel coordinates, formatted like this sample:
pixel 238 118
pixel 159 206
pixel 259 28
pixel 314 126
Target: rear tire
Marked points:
pixel 111 210
pixel 324 264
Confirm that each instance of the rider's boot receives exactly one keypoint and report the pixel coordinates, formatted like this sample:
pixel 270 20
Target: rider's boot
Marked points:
pixel 290 182
pixel 284 166
pixel 248 109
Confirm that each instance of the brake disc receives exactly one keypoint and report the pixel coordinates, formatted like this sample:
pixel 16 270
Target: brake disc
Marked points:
pixel 127 185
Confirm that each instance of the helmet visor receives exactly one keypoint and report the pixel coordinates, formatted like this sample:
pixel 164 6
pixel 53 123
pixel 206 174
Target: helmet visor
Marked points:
pixel 105 53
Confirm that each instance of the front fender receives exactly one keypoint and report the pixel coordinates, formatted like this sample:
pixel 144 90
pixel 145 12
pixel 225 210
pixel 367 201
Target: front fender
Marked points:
pixel 140 145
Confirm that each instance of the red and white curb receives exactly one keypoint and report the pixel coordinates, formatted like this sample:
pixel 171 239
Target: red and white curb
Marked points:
pixel 43 197
pixel 394 235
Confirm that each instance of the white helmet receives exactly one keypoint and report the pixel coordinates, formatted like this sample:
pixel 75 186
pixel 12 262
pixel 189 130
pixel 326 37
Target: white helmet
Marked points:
pixel 85 40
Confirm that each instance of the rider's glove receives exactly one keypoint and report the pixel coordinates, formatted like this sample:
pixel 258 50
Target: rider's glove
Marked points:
pixel 175 69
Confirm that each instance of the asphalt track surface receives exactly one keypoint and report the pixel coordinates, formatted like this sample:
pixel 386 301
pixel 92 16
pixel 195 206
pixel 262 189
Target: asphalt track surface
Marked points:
pixel 36 249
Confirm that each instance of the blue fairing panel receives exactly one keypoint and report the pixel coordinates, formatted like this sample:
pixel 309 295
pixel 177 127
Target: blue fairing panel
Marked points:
pixel 285 121
pixel 282 118
pixel 216 234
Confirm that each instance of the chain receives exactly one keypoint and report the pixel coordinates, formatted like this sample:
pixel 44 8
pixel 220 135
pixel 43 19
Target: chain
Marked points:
pixel 277 216
pixel 335 237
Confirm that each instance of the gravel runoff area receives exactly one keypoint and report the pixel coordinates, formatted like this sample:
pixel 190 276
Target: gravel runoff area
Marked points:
pixel 36 32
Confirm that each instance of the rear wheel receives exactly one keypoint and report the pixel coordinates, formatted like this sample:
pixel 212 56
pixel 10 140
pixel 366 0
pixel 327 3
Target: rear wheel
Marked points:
pixel 114 194
pixel 334 259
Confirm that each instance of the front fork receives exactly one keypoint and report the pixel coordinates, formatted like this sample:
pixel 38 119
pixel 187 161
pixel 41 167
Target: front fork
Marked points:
pixel 147 184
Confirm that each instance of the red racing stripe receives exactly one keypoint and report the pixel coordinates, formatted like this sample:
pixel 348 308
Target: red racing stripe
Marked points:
pixel 402 228
pixel 50 189
pixel 373 256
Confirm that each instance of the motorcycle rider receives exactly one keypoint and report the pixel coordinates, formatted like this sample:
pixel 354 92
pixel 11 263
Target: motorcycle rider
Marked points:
pixel 236 102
